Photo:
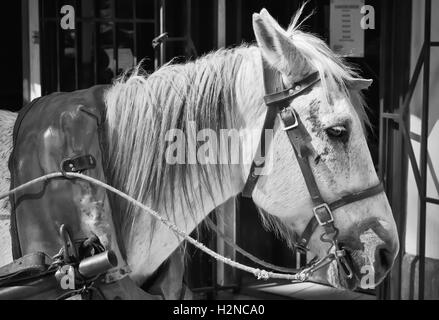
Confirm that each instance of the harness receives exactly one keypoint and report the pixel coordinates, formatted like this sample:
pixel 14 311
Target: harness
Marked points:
pixel 61 226
pixel 97 263
pixel 278 100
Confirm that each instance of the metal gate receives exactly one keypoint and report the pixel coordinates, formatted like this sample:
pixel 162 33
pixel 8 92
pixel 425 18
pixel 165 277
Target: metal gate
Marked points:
pixel 109 37
pixel 395 140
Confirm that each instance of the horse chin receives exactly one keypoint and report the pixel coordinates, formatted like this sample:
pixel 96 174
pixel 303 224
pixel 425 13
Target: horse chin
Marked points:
pixel 337 280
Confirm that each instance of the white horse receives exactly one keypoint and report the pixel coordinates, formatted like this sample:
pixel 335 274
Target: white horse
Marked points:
pixel 224 90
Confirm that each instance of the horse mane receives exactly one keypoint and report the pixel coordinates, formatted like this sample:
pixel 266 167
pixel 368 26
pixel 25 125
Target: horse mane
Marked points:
pixel 142 108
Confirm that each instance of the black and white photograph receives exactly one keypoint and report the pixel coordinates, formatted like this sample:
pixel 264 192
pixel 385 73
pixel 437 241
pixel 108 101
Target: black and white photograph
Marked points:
pixel 219 154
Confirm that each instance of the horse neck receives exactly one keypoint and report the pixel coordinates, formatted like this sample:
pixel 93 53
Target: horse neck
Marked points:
pixel 148 245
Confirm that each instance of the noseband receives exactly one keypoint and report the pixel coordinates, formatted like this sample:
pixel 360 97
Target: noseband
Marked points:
pixel 278 100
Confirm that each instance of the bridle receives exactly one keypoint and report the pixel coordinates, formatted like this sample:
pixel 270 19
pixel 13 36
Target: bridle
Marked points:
pixel 278 100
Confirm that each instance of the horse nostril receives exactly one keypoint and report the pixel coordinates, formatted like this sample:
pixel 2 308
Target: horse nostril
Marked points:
pixel 385 258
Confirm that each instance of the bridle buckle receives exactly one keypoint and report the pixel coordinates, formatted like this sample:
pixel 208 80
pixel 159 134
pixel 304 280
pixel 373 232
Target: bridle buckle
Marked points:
pixel 293 125
pixel 323 214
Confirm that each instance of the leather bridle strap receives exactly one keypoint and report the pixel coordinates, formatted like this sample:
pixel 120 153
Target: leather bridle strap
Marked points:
pixel 278 103
pixel 300 141
pixel 271 84
pixel 275 103
pixel 312 225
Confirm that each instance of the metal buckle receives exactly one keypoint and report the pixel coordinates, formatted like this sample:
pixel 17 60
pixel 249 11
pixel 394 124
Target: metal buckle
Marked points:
pixel 323 206
pixel 294 125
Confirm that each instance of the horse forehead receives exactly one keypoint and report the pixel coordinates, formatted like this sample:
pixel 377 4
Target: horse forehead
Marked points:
pixel 335 103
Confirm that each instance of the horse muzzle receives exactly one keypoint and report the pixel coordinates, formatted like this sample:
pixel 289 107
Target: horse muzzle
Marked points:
pixel 370 251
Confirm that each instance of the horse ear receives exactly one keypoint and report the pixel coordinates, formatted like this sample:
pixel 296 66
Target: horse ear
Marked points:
pixel 359 84
pixel 276 46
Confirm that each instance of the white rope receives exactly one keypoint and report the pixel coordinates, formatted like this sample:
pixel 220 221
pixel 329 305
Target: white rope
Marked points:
pixel 258 273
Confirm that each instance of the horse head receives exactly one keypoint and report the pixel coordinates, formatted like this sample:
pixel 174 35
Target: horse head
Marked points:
pixel 333 117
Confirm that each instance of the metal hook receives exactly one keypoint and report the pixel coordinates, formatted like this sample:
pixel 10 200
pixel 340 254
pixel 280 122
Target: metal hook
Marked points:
pixel 69 251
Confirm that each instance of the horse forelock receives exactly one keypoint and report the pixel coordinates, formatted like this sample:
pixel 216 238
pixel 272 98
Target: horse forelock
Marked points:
pixel 334 71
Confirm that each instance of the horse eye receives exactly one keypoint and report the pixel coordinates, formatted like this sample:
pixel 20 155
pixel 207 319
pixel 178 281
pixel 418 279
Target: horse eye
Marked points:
pixel 336 132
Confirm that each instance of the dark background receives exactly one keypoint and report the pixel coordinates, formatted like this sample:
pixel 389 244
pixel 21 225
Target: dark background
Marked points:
pixel 10 56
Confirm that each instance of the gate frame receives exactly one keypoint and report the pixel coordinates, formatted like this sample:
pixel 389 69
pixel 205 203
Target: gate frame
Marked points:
pixel 395 144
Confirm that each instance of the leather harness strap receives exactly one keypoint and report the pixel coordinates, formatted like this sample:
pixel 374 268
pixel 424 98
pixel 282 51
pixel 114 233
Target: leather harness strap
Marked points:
pixel 274 102
pixel 30 266
pixel 271 84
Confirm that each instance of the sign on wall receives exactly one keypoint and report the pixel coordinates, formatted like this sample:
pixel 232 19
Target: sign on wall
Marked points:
pixel 346 35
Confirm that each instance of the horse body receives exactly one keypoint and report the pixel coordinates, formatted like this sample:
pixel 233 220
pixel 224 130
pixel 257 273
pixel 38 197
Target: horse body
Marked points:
pixel 224 90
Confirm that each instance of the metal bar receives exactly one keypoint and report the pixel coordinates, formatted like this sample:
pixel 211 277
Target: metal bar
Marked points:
pixel 171 39
pixel 383 125
pixel 76 53
pixel 135 32
pixel 434 43
pixel 424 145
pixel 25 38
pixel 118 20
pixel 162 15
pixel 432 200
pixel 95 53
pixel 188 28
pixel 238 21
pixel 412 157
pixel 115 46
pixel 221 24
pixel 58 59
pixel 42 33
pixel 382 89
pixel 156 31
pixel 414 79
pixel 391 116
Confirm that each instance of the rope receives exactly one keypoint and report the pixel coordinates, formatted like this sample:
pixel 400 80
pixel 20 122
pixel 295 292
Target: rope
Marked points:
pixel 258 273
pixel 245 253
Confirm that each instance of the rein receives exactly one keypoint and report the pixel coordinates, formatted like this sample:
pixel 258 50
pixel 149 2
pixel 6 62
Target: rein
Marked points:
pixel 258 273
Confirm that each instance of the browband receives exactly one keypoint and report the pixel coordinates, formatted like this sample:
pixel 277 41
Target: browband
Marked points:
pixel 297 89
